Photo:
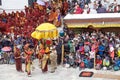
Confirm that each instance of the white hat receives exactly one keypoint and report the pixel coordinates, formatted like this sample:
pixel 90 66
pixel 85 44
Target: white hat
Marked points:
pixel 104 68
pixel 4 36
pixel 18 35
pixel 51 48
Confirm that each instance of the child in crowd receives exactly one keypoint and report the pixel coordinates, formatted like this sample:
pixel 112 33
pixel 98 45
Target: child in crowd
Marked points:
pixel 106 62
pixel 71 60
pixel 118 51
pixel 82 65
pixel 98 62
pixel 77 58
pixel 12 60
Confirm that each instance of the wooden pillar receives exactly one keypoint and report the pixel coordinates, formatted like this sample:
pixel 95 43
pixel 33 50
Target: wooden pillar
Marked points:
pixel 95 60
pixel 62 57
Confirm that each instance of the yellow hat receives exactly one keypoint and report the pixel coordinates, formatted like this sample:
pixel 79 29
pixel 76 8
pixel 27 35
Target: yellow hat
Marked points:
pixel 41 46
pixel 47 50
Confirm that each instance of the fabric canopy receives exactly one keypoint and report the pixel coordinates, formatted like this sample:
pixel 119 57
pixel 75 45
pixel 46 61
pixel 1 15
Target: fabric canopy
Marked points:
pixel 45 31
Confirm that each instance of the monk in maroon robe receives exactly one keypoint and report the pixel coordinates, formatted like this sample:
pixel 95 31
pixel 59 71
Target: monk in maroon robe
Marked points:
pixel 65 7
pixel 51 16
pixel 57 20
pixel 18 59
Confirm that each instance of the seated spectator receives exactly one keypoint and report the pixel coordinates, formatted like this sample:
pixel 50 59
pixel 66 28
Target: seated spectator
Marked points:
pixel 71 60
pixel 86 9
pixel 106 62
pixel 117 9
pixel 77 58
pixel 87 48
pixel 116 65
pixel 81 50
pixel 78 10
pixel 98 62
pixel 92 9
pixel 110 8
pixel 118 52
pixel 101 9
pixel 101 49
pixel 111 51
pixel 86 61
pixel 82 65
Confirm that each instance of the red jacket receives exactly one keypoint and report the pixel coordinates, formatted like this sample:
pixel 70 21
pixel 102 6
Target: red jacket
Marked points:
pixel 78 10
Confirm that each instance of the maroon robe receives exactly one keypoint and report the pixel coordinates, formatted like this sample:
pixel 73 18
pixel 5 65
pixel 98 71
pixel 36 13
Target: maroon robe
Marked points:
pixel 18 60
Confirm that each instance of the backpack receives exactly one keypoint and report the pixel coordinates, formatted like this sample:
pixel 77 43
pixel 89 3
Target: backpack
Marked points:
pixel 116 68
pixel 90 65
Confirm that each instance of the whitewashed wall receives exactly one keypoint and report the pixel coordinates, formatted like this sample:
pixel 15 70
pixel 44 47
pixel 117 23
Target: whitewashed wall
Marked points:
pixel 13 5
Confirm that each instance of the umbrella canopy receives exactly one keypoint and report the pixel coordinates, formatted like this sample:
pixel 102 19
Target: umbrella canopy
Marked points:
pixel 5 49
pixel 45 31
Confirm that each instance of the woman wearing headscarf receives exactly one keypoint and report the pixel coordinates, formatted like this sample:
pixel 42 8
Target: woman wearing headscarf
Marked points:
pixel 98 62
pixel 118 51
pixel 106 62
pixel 111 51
pixel 101 49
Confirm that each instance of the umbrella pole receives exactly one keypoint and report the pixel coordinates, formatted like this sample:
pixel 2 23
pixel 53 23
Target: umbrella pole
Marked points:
pixel 62 57
pixel 94 60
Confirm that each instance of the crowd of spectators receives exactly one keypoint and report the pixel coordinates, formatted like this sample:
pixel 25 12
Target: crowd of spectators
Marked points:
pixel 93 50
pixel 93 6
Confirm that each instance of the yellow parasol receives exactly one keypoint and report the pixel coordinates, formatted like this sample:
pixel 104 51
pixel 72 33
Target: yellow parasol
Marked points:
pixel 45 31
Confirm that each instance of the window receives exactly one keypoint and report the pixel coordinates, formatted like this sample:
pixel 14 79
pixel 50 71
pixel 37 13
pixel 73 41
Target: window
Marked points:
pixel 0 2
pixel 30 2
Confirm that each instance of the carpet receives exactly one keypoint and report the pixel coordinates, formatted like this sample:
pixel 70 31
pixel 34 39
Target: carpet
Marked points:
pixel 86 74
pixel 107 76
